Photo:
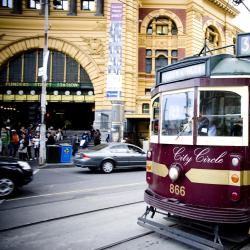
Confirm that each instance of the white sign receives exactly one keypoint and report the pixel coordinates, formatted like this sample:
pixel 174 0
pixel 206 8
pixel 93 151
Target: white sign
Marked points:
pixel 45 65
pixel 40 71
pixel 184 73
pixel 243 44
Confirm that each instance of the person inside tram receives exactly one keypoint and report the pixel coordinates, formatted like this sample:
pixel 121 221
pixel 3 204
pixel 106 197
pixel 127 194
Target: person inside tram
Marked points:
pixel 212 128
pixel 236 129
pixel 206 127
pixel 203 125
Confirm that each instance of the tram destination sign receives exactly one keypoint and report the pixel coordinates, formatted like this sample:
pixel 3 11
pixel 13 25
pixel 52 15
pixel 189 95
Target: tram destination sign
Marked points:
pixel 243 45
pixel 188 72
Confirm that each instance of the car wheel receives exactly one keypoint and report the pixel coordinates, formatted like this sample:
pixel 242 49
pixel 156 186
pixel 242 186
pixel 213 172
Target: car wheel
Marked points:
pixel 107 167
pixel 7 187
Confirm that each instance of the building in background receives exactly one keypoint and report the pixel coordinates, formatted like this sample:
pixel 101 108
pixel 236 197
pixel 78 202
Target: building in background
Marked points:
pixel 103 58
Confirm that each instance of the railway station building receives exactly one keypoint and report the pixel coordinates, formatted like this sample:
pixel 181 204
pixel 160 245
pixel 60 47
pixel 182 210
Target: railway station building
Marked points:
pixel 103 58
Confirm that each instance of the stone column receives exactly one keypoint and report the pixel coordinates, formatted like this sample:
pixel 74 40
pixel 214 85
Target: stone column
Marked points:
pixel 99 7
pixel 72 8
pixel 17 7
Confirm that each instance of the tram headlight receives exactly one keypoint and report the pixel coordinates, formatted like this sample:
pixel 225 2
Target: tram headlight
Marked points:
pixel 235 161
pixel 149 154
pixel 174 172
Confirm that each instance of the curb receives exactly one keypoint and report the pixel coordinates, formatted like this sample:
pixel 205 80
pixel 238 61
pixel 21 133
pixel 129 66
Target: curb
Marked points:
pixel 56 165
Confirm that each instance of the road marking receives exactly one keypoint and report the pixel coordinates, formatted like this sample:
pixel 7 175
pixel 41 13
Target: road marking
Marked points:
pixel 1 201
pixel 80 191
pixel 36 171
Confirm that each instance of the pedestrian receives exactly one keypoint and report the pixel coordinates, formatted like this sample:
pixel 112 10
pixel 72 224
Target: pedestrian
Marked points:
pixel 5 137
pixel 108 138
pixel 30 144
pixel 14 142
pixel 97 137
pixel 22 150
pixel 36 143
pixel 51 139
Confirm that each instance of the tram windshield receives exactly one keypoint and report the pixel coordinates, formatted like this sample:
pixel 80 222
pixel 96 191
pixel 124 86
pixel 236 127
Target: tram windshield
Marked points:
pixel 177 114
pixel 220 114
pixel 217 116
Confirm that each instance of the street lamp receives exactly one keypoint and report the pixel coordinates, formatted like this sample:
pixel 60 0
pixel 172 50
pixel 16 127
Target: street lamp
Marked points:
pixel 42 153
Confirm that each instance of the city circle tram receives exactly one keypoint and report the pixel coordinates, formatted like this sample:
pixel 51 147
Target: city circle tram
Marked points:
pixel 198 166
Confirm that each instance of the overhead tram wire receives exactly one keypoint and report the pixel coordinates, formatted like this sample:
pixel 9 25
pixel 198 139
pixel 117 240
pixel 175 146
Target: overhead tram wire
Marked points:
pixel 238 2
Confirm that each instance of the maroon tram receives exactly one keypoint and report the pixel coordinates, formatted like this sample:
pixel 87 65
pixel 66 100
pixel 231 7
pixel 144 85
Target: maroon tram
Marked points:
pixel 198 164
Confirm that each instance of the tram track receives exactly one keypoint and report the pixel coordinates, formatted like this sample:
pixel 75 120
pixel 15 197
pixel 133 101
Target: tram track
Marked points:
pixel 124 240
pixel 68 216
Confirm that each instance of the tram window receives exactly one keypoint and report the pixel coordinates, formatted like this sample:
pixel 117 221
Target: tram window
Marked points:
pixel 222 109
pixel 177 114
pixel 155 118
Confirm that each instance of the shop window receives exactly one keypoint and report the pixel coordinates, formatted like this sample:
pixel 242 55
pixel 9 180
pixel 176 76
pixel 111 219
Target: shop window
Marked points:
pixel 6 3
pixel 145 108
pixel 89 5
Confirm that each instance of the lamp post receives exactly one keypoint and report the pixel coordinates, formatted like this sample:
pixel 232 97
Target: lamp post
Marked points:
pixel 42 153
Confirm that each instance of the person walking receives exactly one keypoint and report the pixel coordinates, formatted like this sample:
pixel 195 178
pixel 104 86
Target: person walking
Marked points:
pixel 30 144
pixel 22 150
pixel 36 143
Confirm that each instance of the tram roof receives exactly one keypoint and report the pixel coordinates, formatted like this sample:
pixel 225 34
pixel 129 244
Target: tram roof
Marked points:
pixel 205 66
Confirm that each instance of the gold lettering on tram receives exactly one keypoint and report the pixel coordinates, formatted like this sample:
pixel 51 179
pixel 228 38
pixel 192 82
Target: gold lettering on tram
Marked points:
pixel 176 189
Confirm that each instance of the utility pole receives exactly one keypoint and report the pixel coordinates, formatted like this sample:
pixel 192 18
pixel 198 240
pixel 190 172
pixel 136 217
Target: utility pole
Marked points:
pixel 42 153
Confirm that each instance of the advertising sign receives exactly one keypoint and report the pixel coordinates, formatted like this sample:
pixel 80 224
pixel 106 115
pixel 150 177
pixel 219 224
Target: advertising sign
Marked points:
pixel 114 71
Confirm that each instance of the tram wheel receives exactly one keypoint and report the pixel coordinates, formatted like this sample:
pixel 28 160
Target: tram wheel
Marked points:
pixel 107 167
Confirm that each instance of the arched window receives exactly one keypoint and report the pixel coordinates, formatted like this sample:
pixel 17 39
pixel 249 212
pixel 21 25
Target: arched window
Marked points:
pixel 160 62
pixel 162 26
pixel 212 36
pixel 61 68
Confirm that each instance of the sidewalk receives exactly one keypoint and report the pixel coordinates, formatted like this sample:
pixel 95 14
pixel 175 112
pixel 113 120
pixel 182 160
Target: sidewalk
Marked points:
pixel 35 164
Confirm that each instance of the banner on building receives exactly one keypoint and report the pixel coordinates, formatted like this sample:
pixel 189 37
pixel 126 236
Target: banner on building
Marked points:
pixel 114 71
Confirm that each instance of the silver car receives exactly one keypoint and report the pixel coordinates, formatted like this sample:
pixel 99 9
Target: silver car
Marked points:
pixel 106 157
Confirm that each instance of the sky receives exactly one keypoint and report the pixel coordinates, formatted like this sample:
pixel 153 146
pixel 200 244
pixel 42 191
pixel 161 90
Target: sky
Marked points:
pixel 243 19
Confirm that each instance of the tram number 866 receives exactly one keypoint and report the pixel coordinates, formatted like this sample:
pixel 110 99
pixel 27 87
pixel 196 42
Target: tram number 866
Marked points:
pixel 176 189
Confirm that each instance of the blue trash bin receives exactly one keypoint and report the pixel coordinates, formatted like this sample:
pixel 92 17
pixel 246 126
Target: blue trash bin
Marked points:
pixel 66 153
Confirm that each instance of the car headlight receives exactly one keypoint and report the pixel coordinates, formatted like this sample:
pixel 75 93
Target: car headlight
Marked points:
pixel 24 165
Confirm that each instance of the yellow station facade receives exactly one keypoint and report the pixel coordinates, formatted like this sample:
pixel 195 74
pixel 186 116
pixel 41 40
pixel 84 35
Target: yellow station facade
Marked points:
pixel 103 57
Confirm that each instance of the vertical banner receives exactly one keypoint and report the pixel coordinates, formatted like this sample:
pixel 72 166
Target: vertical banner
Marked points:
pixel 114 74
